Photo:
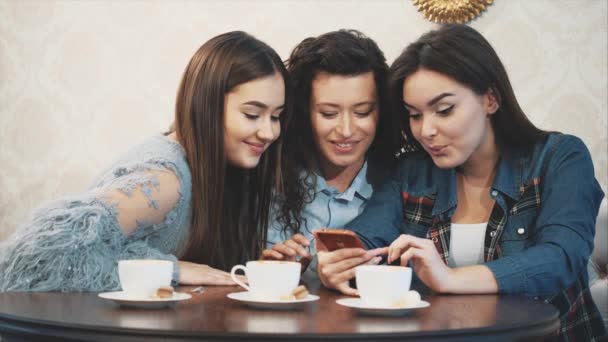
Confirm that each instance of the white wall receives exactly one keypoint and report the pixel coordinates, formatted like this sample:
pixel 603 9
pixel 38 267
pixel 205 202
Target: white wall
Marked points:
pixel 80 81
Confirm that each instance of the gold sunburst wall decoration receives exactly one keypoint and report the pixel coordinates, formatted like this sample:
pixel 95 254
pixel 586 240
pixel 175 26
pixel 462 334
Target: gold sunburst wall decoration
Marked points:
pixel 451 11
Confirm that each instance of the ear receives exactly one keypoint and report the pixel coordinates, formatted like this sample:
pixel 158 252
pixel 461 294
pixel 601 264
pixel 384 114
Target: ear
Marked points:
pixel 492 102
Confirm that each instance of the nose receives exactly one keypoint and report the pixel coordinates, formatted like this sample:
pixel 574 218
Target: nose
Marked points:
pixel 266 130
pixel 428 128
pixel 345 126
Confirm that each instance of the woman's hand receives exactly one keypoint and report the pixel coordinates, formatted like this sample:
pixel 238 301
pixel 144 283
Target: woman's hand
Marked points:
pixel 427 263
pixel 198 274
pixel 336 268
pixel 288 250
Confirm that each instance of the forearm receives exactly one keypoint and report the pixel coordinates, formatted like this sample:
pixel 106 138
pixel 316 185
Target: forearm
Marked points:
pixel 534 272
pixel 470 279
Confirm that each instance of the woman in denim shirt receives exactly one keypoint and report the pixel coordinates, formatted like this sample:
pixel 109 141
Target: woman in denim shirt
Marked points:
pixel 480 163
pixel 340 143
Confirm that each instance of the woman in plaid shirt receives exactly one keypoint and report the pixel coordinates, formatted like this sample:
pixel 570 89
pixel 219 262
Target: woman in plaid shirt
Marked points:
pixel 480 163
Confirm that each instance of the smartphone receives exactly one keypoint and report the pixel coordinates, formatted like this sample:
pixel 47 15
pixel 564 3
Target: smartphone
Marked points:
pixel 334 239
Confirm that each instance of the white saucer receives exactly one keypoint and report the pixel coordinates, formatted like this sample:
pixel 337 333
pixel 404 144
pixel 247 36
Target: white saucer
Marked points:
pixel 359 305
pixel 246 298
pixel 121 298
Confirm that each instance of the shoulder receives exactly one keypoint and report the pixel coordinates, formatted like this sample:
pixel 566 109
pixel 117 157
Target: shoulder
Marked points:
pixel 556 148
pixel 158 155
pixel 415 167
pixel 413 171
pixel 552 157
pixel 157 148
pixel 558 143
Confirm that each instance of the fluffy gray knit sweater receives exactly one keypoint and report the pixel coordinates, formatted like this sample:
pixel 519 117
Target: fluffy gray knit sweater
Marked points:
pixel 138 208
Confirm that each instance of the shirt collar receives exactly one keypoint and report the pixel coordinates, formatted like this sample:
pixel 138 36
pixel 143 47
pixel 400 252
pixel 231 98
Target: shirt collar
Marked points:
pixel 360 186
pixel 509 173
pixel 507 180
pixel 447 197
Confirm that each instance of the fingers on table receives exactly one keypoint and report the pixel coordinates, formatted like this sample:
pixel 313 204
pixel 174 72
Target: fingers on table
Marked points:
pixel 347 290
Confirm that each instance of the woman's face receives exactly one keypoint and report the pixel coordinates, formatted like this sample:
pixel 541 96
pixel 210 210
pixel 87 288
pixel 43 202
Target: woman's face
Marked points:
pixel 344 116
pixel 251 119
pixel 448 119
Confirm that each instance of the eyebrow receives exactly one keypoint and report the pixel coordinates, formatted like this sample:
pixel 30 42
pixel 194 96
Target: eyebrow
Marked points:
pixel 261 105
pixel 355 105
pixel 432 101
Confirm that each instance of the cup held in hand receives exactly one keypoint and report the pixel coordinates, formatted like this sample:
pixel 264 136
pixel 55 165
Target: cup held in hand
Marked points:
pixel 269 280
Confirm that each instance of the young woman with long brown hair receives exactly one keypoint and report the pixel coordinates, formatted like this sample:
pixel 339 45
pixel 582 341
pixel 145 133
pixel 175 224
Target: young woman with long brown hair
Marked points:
pixel 198 195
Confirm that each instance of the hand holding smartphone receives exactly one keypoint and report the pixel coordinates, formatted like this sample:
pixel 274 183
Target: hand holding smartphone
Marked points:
pixel 333 239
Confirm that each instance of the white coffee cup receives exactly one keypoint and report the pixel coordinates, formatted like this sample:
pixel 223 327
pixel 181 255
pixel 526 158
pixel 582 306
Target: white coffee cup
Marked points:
pixel 269 280
pixel 383 286
pixel 141 278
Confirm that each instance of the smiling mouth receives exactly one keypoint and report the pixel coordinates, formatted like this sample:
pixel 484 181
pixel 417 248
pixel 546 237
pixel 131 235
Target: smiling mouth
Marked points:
pixel 256 148
pixel 344 147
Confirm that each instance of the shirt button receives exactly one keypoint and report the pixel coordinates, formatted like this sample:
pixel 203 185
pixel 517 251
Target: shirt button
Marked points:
pixel 521 231
pixel 493 233
pixel 494 193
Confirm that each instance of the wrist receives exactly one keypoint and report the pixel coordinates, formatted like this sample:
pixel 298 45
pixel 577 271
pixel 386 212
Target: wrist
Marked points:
pixel 449 283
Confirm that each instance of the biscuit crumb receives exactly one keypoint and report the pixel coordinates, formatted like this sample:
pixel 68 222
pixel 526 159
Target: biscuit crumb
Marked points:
pixel 409 299
pixel 164 292
pixel 300 292
pixel 288 297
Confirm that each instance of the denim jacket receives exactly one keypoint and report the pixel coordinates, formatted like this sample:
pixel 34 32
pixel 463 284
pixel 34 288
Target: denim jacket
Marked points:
pixel 540 232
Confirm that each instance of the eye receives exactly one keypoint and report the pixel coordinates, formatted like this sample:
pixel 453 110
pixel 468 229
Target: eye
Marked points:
pixel 328 115
pixel 364 114
pixel 251 116
pixel 365 110
pixel 447 111
pixel 415 116
pixel 275 118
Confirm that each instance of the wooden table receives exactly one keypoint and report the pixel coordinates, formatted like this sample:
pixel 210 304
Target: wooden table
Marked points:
pixel 213 316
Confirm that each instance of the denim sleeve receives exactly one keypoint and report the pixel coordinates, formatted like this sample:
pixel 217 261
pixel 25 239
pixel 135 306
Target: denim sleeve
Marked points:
pixel 564 228
pixel 380 222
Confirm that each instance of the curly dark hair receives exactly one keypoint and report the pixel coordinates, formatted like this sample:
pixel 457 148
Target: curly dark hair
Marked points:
pixel 344 53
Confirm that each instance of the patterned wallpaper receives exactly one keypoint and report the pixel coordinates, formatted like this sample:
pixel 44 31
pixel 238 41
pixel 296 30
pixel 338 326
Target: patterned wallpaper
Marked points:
pixel 80 81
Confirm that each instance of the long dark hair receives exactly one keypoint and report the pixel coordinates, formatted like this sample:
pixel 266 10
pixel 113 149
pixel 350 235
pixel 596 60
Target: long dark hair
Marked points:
pixel 463 54
pixel 229 205
pixel 344 53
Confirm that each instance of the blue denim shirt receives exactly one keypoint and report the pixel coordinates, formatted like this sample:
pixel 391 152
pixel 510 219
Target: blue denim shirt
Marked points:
pixel 329 209
pixel 541 229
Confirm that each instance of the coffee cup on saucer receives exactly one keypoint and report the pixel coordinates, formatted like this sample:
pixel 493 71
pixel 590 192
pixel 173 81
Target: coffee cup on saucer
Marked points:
pixel 141 278
pixel 269 280
pixel 383 286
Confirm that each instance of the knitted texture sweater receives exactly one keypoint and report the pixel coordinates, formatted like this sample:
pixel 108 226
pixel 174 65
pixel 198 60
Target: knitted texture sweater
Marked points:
pixel 138 208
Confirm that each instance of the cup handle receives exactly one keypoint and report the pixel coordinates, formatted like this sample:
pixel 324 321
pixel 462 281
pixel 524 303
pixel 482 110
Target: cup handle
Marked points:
pixel 236 280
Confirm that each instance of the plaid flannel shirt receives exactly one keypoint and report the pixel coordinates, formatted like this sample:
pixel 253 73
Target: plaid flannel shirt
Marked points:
pixel 545 197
